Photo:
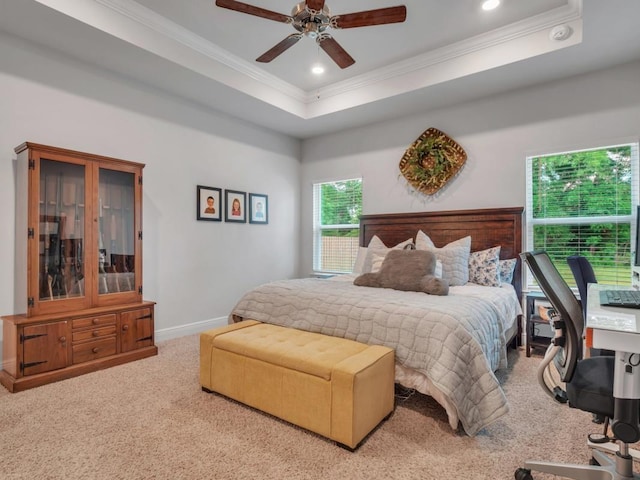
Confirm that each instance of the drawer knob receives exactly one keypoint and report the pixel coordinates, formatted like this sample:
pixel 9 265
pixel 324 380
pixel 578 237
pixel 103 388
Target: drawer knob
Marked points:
pixel 125 328
pixel 62 339
pixel 96 333
pixel 94 349
pixel 96 321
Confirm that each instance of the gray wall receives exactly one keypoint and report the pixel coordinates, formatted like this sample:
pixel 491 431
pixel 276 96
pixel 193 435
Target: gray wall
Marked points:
pixel 195 270
pixel 498 133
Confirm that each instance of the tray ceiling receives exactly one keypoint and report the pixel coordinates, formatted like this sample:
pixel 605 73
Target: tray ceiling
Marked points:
pixel 445 52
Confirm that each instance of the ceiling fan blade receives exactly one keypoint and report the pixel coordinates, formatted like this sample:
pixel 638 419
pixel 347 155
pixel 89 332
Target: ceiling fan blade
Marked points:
pixel 335 51
pixel 316 5
pixel 379 16
pixel 251 10
pixel 272 53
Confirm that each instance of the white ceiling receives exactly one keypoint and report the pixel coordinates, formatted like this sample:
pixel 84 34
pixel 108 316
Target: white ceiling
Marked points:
pixel 444 53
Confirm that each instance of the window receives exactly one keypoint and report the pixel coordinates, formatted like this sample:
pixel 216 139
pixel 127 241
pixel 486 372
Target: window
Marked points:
pixel 336 225
pixel 584 203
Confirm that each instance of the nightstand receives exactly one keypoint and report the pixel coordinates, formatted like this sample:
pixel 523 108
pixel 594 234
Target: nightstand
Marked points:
pixel 534 323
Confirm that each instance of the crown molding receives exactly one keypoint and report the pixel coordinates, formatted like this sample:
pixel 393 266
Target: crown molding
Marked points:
pixel 138 13
pixel 140 26
pixel 569 13
pixel 161 25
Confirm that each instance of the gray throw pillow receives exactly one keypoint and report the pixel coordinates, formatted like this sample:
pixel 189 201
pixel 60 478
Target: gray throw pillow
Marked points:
pixel 407 270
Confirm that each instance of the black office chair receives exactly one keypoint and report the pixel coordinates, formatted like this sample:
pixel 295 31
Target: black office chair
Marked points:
pixel 583 274
pixel 589 382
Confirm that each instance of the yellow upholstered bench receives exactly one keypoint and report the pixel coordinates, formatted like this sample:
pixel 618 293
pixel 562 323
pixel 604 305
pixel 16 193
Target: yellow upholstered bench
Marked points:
pixel 335 387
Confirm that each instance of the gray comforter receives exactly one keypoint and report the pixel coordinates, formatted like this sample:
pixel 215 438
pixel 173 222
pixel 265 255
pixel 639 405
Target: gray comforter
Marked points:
pixel 457 341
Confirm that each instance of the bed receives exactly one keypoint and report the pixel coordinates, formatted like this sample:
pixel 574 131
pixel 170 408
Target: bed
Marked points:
pixel 447 347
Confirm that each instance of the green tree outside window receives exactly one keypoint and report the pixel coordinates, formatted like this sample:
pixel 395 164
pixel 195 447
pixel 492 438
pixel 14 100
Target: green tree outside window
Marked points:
pixel 583 203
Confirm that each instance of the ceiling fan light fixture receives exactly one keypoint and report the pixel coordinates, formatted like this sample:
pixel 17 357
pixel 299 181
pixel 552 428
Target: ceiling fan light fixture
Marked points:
pixel 490 4
pixel 317 69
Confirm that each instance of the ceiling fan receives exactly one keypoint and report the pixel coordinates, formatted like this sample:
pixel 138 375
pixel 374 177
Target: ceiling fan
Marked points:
pixel 312 18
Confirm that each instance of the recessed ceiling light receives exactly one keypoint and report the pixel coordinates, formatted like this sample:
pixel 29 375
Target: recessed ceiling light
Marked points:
pixel 490 4
pixel 317 69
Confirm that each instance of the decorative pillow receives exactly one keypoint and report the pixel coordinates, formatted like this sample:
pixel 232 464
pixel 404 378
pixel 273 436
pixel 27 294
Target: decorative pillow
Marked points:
pixel 506 269
pixel 376 246
pixel 358 265
pixel 407 270
pixel 454 257
pixel 438 272
pixel 377 257
pixel 483 267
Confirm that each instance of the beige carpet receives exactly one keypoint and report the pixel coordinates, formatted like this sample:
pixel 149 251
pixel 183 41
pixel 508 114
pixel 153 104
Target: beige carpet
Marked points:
pixel 150 420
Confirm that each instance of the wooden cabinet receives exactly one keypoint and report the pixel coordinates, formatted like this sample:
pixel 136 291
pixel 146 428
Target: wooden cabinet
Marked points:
pixel 78 279
pixel 44 347
pixel 136 329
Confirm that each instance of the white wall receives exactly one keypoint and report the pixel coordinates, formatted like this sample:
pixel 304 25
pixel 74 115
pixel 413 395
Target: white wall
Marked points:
pixel 195 270
pixel 497 133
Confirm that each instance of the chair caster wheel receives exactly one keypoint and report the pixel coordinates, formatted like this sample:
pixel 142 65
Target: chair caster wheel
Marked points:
pixel 523 474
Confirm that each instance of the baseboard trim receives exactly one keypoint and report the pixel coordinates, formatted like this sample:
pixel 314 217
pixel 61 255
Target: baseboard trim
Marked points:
pixel 189 328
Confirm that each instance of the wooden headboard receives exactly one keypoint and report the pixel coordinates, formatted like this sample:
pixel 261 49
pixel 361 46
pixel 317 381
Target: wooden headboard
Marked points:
pixel 487 227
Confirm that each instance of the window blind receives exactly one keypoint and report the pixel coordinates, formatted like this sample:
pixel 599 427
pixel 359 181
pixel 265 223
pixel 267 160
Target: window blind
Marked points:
pixel 337 207
pixel 584 203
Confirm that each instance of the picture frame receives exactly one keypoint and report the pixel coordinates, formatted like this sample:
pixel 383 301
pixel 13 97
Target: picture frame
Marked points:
pixel 258 208
pixel 208 199
pixel 236 203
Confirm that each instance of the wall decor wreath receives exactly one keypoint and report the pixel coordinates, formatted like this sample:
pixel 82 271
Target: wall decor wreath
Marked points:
pixel 431 161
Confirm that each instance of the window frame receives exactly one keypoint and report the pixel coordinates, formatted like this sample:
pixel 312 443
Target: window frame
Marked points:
pixel 631 218
pixel 318 227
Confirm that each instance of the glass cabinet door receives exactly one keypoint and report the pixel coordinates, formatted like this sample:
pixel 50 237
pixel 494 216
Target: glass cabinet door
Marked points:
pixel 61 257
pixel 82 215
pixel 116 232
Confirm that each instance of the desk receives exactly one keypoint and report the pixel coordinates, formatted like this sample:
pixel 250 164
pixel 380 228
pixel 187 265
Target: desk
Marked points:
pixel 618 329
pixel 613 328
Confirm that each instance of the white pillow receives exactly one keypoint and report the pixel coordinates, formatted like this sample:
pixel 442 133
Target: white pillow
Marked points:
pixel 454 257
pixel 377 258
pixel 376 246
pixel 483 267
pixel 358 265
pixel 438 272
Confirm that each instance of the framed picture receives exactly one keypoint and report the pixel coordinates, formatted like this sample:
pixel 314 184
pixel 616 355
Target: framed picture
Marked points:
pixel 209 203
pixel 236 203
pixel 258 208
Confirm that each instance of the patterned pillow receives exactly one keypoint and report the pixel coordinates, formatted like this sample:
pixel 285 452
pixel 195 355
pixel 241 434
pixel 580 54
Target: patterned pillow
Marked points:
pixel 454 257
pixel 483 267
pixel 506 269
pixel 376 248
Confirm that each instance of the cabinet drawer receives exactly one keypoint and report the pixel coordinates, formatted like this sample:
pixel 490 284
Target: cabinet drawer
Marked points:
pixel 93 333
pixel 83 352
pixel 96 321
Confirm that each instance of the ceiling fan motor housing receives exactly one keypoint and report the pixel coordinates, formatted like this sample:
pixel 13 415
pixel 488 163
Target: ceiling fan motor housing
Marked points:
pixel 310 22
